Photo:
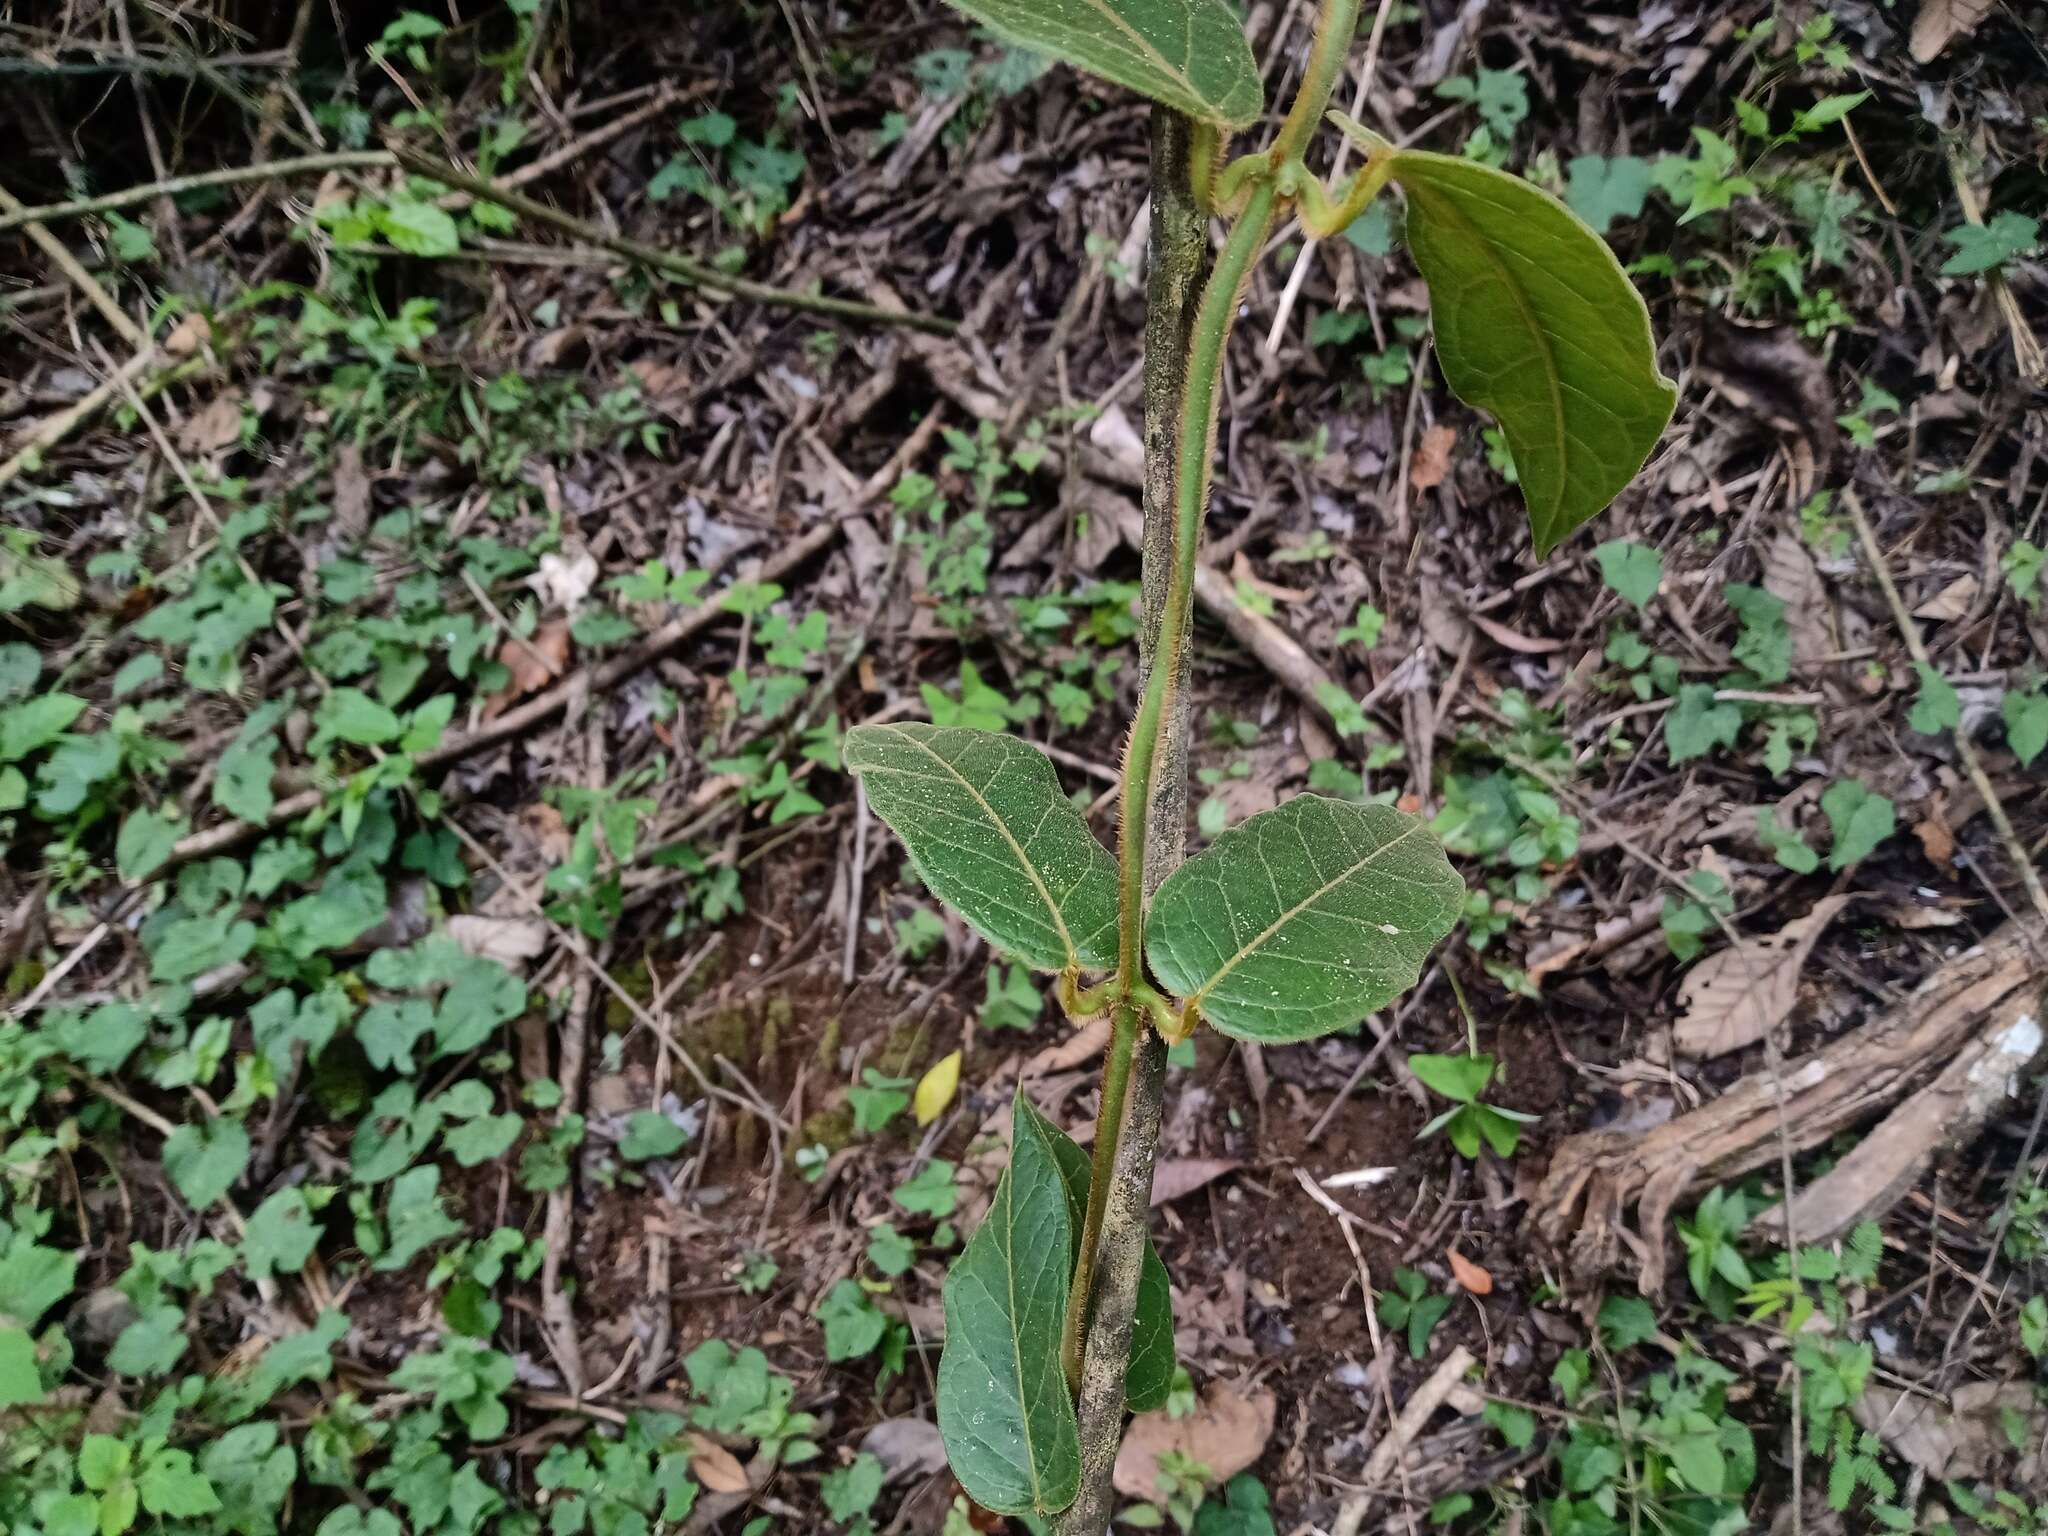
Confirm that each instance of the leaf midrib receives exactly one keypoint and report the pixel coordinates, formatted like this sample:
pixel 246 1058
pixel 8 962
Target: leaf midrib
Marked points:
pixel 1295 911
pixel 1476 239
pixel 1024 863
pixel 1145 47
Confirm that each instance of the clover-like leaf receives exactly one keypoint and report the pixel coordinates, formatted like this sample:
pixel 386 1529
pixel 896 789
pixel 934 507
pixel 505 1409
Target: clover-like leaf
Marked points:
pixel 1191 55
pixel 1009 1426
pixel 992 835
pixel 1537 325
pixel 1303 919
pixel 1148 1380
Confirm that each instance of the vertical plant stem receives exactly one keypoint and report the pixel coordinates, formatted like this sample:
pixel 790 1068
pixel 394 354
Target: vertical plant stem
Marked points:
pixel 1176 253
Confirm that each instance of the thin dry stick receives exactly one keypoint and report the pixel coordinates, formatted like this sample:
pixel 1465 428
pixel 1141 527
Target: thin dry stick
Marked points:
pixel 1299 275
pixel 2026 347
pixel 681 268
pixel 88 285
pixel 297 165
pixel 1994 807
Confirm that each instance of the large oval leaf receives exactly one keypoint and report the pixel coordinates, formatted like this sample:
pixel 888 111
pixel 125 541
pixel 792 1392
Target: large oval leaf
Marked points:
pixel 1304 919
pixel 1190 54
pixel 1537 325
pixel 1148 1381
pixel 1009 1426
pixel 992 835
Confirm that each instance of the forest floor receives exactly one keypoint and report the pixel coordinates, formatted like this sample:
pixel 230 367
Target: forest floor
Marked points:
pixel 459 1026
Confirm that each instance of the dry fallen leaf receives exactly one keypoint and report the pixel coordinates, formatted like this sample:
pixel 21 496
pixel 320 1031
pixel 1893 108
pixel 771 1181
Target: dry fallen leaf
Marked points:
pixel 214 426
pixel 936 1088
pixel 1242 573
pixel 1952 602
pixel 351 493
pixel 1473 1277
pixel 1736 996
pixel 1940 23
pixel 534 663
pixel 1958 1439
pixel 1791 576
pixel 905 1448
pixel 1432 458
pixel 1226 1433
pixel 563 581
pixel 511 941
pixel 1177 1176
pixel 716 1467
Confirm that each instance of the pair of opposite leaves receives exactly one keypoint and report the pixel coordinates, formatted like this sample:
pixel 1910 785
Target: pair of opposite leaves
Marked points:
pixel 1535 322
pixel 1299 921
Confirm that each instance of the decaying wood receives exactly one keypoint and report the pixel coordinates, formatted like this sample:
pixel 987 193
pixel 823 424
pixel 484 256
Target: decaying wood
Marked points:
pixel 1963 1017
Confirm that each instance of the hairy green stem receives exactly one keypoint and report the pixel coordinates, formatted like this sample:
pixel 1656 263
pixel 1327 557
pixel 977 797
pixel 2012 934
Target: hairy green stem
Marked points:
pixel 1142 759
pixel 1336 26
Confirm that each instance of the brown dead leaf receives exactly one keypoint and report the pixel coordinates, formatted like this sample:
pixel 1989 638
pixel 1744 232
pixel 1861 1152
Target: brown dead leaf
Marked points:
pixel 1226 1433
pixel 1958 1439
pixel 1177 1176
pixel 1937 837
pixel 716 1467
pixel 1738 995
pixel 1516 641
pixel 214 426
pixel 1791 576
pixel 534 663
pixel 1473 1277
pixel 1952 602
pixel 511 941
pixel 1941 22
pixel 1432 458
pixel 351 493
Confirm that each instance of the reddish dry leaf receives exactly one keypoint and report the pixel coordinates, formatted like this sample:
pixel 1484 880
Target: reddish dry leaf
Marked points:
pixel 1226 1433
pixel 533 663
pixel 1432 458
pixel 1474 1278
pixel 1242 573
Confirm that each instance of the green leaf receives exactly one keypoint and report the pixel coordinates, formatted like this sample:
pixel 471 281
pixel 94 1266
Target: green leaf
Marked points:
pixel 1633 570
pixel 1983 247
pixel 854 1325
pixel 1786 845
pixel 1697 725
pixel 1938 707
pixel 1859 818
pixel 1461 1079
pixel 281 1235
pixel 1601 190
pixel 170 1485
pixel 993 836
pixel 203 1160
pixel 1303 919
pixel 2026 724
pixel 349 714
pixel 1537 325
pixel 25 728
pixel 1008 1423
pixel 1149 1379
pixel 1191 55
pixel 649 1135
pixel 33 1279
pixel 20 1380
pixel 419 229
pixel 1626 1321
pixel 152 1345
pixel 145 842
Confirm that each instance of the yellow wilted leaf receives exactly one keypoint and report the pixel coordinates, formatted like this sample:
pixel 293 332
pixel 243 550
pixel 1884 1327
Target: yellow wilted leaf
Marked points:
pixel 936 1088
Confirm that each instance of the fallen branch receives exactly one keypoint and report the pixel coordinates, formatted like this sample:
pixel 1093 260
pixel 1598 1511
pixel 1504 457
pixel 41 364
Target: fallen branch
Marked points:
pixel 681 268
pixel 298 165
pixel 1967 1011
pixel 1416 1413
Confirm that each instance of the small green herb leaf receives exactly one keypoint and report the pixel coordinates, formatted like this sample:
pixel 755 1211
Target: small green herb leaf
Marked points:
pixel 1004 1412
pixel 1191 55
pixel 991 834
pixel 1859 818
pixel 1303 919
pixel 1537 325
pixel 1633 570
